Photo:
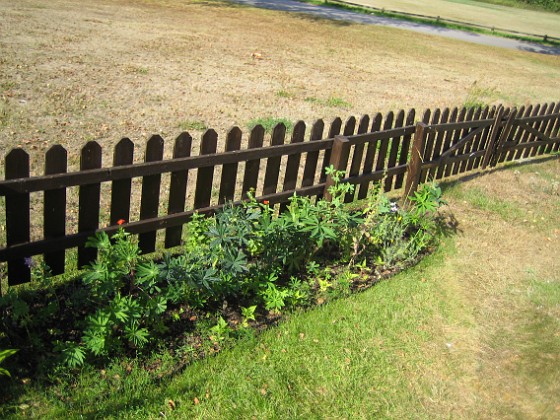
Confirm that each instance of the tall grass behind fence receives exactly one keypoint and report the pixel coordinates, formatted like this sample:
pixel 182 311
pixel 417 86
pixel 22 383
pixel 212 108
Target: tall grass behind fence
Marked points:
pixel 51 213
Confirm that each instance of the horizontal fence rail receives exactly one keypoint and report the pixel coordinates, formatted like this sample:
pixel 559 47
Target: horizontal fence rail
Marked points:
pixel 52 213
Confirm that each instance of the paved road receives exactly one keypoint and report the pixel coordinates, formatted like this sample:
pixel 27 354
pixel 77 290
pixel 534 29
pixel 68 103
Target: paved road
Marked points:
pixel 346 15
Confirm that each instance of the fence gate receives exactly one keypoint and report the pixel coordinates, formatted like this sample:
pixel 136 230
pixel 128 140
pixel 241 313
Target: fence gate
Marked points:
pixel 481 139
pixel 525 133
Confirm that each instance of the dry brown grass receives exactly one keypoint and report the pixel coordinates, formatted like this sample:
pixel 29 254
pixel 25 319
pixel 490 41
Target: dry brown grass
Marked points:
pixel 75 71
pixel 503 356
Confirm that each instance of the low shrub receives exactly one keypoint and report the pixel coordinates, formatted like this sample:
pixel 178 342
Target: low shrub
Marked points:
pixel 244 265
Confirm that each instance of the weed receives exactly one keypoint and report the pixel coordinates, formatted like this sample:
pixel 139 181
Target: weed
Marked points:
pixel 269 123
pixel 284 94
pixel 4 113
pixel 335 102
pixel 332 101
pixel 7 85
pixel 192 125
pixel 141 70
pixel 479 97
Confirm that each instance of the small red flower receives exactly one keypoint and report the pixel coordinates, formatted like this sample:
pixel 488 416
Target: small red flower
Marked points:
pixel 265 202
pixel 121 222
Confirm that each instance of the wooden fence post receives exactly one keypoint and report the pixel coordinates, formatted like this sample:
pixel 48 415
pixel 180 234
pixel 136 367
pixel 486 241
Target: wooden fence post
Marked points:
pixel 415 164
pixel 339 159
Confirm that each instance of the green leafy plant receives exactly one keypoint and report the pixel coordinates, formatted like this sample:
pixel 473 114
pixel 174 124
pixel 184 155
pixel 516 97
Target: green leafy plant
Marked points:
pixel 248 314
pixel 220 331
pixel 4 354
pixel 127 296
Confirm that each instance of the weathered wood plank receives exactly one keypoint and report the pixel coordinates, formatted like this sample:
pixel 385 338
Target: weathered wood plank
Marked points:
pixel 229 171
pixel 405 147
pixel 310 170
pixel 475 144
pixel 17 217
pixel 205 174
pixel 455 139
pixel 357 156
pixel 438 145
pixel 178 189
pixel 554 130
pixel 121 189
pixel 429 143
pixel 149 202
pixel 465 132
pixel 292 165
pixel 482 141
pixel 370 155
pixel 414 170
pixel 334 131
pixel 492 138
pixel 272 172
pixel 339 161
pixel 394 150
pixel 380 165
pixel 446 145
pixel 252 166
pixel 89 196
pixel 54 209
pixel 527 137
pixel 466 150
pixel 517 132
pixel 538 126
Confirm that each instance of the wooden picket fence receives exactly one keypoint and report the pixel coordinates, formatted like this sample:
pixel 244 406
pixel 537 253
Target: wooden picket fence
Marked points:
pixel 377 149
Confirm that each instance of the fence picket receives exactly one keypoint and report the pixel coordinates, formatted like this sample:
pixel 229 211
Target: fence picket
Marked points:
pixel 358 154
pixel 178 189
pixel 466 149
pixel 446 142
pixel 370 156
pixel 438 144
pixel 528 137
pixel 394 150
pixel 405 147
pixel 292 165
pixel 312 158
pixel 272 172
pixel 480 142
pixel 251 175
pixel 120 190
pixel 516 133
pixel 205 175
pixel 539 127
pixel 89 196
pixel 454 139
pixel 384 144
pixel 554 131
pixel 334 131
pixel 149 203
pixel 229 171
pixel 468 117
pixel 429 144
pixel 54 209
pixel 17 216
